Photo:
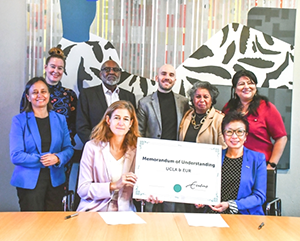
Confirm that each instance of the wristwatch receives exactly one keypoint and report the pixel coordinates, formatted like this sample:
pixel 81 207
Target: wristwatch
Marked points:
pixel 272 164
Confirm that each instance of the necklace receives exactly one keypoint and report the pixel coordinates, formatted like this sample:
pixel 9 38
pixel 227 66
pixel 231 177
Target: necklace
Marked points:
pixel 194 123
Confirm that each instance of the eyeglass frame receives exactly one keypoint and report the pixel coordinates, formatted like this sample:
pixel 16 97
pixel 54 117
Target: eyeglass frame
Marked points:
pixel 235 132
pixel 108 69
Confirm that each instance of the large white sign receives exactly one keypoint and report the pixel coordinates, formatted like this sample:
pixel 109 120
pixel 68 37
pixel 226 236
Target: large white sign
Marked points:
pixel 178 171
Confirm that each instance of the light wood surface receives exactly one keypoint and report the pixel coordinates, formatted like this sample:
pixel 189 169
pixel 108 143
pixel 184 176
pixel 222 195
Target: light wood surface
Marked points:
pixel 244 227
pixel 159 226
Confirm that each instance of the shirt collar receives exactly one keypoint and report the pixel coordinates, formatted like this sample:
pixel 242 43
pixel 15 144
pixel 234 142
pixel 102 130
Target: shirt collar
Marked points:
pixel 57 86
pixel 105 90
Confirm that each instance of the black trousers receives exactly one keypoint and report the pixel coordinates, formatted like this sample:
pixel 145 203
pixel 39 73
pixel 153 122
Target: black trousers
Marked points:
pixel 44 197
pixel 160 207
pixel 76 159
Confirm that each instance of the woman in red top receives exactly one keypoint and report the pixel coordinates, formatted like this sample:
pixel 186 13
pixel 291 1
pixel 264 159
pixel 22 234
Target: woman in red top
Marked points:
pixel 265 121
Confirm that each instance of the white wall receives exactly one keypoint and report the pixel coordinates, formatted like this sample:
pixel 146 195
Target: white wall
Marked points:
pixel 12 79
pixel 12 66
pixel 288 183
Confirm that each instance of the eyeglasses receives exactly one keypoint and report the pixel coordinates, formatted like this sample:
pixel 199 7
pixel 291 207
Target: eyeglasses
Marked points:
pixel 238 132
pixel 108 69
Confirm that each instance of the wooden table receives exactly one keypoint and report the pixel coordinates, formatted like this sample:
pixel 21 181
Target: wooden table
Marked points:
pixel 160 226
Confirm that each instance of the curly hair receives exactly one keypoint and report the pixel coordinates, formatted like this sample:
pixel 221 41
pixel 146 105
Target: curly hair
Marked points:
pixel 103 133
pixel 56 52
pixel 235 103
pixel 213 91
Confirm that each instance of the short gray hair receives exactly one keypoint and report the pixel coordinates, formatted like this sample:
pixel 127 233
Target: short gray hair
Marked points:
pixel 213 91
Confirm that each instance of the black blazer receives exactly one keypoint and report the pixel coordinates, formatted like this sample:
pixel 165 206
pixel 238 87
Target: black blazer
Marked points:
pixel 91 108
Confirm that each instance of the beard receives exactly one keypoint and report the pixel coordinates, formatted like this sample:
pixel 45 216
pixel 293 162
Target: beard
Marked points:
pixel 111 80
pixel 161 86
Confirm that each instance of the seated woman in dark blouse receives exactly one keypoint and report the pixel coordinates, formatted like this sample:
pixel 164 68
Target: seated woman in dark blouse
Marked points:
pixel 244 174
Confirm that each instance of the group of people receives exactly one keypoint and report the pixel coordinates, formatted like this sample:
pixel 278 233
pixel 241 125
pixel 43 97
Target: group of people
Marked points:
pixel 108 123
pixel 41 138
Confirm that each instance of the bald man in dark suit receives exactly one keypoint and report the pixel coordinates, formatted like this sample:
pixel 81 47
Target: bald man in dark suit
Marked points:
pixel 159 116
pixel 93 101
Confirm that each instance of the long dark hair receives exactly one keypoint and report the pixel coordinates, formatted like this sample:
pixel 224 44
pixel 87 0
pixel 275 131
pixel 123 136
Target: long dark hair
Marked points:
pixel 27 104
pixel 235 103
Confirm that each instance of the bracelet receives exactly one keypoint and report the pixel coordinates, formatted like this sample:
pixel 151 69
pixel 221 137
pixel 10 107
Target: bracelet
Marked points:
pixel 58 162
pixel 272 164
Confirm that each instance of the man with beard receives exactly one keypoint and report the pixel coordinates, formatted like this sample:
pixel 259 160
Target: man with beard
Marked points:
pixel 93 101
pixel 159 116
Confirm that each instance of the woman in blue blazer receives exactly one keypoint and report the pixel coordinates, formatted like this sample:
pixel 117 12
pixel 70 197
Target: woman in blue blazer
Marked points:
pixel 40 146
pixel 244 173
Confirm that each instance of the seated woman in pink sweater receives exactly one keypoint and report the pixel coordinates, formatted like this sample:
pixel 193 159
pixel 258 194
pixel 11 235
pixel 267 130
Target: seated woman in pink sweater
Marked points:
pixel 106 176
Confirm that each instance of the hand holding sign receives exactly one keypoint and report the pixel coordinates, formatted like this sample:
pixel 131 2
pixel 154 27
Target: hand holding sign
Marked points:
pixel 184 172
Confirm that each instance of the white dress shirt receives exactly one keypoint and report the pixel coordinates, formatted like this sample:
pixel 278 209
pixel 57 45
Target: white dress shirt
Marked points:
pixel 110 96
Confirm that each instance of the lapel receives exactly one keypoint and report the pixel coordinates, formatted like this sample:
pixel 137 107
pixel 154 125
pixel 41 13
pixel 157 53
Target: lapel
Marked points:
pixel 186 123
pixel 54 123
pixel 34 130
pixel 179 109
pixel 245 172
pixel 208 121
pixel 246 168
pixel 156 108
pixel 122 95
pixel 101 97
pixel 104 149
pixel 128 161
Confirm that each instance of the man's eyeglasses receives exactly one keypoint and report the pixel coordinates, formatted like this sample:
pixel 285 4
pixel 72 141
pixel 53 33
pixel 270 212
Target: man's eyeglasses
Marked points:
pixel 108 69
pixel 238 132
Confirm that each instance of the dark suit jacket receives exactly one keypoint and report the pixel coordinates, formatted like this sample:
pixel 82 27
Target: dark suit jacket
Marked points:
pixel 253 183
pixel 91 108
pixel 26 149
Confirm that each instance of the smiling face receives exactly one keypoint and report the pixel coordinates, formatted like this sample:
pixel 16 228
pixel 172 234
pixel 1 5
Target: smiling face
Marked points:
pixel 120 122
pixel 38 95
pixel 236 134
pixel 166 78
pixel 245 89
pixel 54 70
pixel 202 101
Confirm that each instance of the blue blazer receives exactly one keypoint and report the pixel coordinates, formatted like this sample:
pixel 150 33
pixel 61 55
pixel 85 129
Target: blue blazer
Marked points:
pixel 253 184
pixel 26 150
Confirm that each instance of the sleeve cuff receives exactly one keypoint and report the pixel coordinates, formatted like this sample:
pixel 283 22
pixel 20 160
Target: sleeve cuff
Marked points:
pixel 233 207
pixel 58 163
